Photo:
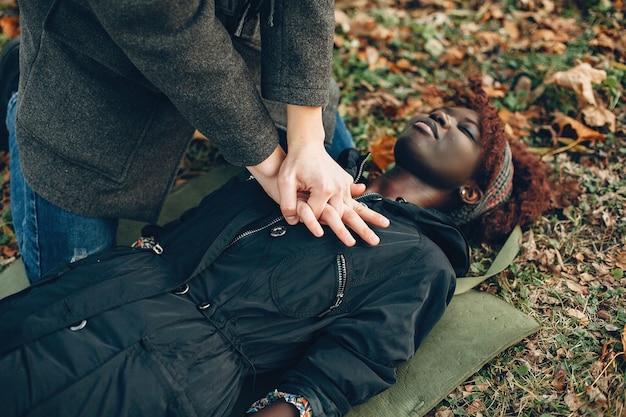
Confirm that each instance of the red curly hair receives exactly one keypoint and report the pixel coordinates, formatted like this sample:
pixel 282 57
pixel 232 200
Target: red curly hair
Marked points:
pixel 531 193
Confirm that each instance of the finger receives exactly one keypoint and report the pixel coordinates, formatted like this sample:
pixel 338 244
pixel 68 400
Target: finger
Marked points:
pixel 352 219
pixel 306 216
pixel 317 201
pixel 370 216
pixel 288 195
pixel 331 219
pixel 340 204
pixel 356 189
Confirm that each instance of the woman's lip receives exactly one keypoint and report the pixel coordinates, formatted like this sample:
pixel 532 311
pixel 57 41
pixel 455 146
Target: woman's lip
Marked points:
pixel 425 127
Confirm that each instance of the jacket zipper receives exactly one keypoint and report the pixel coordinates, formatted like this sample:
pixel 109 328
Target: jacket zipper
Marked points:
pixel 342 278
pixel 359 172
pixel 253 231
pixel 271 223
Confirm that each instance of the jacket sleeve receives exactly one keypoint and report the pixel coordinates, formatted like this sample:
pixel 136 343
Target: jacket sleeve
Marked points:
pixel 354 358
pixel 297 46
pixel 186 53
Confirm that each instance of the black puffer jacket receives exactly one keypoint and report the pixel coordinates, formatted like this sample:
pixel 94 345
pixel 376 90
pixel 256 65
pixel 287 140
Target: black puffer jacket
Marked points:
pixel 235 291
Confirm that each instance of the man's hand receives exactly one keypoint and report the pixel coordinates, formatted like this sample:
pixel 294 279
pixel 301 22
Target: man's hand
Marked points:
pixel 311 187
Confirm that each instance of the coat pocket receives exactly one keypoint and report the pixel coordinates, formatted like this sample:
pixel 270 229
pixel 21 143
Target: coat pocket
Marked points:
pixel 311 284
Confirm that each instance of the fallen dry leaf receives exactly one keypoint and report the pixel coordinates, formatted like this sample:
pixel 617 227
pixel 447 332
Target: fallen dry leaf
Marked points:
pixel 518 122
pixel 599 117
pixel 572 128
pixel 559 379
pixel 580 79
pixel 573 402
pixel 603 41
pixel 453 56
pixel 596 396
pixel 382 151
pixel 489 40
pixel 10 26
pixel 580 289
pixel 511 29
pixel 412 107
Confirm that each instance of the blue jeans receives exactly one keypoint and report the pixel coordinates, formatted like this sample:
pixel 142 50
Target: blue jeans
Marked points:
pixel 342 138
pixel 48 235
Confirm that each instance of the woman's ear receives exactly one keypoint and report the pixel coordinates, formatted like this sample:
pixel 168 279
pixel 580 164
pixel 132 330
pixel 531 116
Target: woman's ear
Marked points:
pixel 470 193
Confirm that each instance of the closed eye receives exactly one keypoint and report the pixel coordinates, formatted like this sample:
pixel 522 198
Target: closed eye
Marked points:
pixel 468 132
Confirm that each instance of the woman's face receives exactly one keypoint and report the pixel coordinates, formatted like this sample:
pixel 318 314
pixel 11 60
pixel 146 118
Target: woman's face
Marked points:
pixel 442 148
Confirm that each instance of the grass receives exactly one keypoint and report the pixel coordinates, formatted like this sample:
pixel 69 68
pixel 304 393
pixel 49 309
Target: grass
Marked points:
pixel 570 273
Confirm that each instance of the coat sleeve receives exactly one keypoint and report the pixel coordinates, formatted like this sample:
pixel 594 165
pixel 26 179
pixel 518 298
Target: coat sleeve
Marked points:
pixel 297 47
pixel 354 358
pixel 186 53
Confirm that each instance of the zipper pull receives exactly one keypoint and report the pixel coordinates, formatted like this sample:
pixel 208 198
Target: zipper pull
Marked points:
pixel 158 249
pixel 336 304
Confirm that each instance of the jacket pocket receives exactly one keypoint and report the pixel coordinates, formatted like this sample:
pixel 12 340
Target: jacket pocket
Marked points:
pixel 310 285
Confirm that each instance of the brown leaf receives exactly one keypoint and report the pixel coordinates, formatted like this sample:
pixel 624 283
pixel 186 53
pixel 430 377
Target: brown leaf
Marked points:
pixel 489 40
pixel 599 117
pixel 372 56
pixel 412 106
pixel 580 289
pixel 382 151
pixel 565 28
pixel 559 379
pixel 596 396
pixel 443 4
pixel 620 259
pixel 8 251
pixel 342 20
pixel 431 95
pixel 603 41
pixel 518 121
pixel 495 92
pixel 579 79
pixel 572 128
pixel 543 35
pixel 511 29
pixel 453 56
pixel 405 65
pixel 10 26
pixel 573 402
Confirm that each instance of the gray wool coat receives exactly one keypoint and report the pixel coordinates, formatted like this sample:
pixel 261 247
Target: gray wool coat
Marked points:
pixel 111 91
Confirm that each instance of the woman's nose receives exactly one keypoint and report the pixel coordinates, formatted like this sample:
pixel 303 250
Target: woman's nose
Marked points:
pixel 442 118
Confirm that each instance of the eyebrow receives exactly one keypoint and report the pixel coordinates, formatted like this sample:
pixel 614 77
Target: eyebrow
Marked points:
pixel 448 110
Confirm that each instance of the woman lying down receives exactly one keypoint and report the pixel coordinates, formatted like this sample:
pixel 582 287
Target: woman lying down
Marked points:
pixel 231 290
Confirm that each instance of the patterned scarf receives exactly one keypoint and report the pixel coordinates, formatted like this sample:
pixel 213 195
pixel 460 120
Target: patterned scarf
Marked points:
pixel 496 194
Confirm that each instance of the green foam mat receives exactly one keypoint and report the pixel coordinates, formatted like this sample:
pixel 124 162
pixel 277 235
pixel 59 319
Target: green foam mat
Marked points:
pixel 474 329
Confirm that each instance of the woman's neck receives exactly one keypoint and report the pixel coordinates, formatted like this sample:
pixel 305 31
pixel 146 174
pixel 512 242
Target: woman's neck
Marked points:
pixel 399 183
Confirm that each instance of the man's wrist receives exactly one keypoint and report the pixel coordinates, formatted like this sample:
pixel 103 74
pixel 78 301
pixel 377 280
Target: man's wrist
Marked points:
pixel 304 125
pixel 269 167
